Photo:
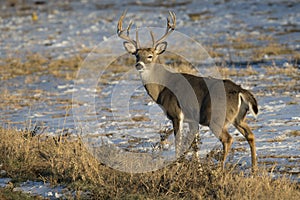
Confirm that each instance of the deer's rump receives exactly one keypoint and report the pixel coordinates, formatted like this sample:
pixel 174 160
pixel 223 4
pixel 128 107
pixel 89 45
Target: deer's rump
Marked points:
pixel 222 100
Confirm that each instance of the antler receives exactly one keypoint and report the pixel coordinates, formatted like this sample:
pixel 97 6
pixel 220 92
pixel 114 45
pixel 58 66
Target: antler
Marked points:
pixel 121 31
pixel 170 29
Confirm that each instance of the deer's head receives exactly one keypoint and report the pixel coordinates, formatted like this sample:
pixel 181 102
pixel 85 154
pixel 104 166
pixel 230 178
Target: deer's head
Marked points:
pixel 145 56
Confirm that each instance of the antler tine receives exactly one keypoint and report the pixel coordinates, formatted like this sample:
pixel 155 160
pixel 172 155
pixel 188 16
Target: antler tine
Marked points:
pixel 120 22
pixel 129 27
pixel 120 30
pixel 173 16
pixel 152 37
pixel 170 27
pixel 137 39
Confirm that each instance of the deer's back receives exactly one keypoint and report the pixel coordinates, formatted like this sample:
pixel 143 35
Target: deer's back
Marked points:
pixel 223 95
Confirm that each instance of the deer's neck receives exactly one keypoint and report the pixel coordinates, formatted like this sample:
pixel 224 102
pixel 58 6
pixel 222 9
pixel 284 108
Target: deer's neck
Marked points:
pixel 154 80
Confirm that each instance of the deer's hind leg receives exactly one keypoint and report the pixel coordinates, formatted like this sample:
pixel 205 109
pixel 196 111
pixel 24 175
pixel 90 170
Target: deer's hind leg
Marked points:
pixel 248 134
pixel 226 140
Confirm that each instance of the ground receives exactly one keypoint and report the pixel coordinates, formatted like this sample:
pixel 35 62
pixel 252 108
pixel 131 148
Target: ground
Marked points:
pixel 46 45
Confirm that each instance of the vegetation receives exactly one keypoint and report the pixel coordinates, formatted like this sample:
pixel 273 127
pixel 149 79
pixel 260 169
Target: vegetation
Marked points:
pixel 66 161
pixel 35 63
pixel 244 47
pixel 8 194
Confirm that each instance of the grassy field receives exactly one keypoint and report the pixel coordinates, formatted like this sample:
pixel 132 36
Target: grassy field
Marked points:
pixel 66 161
pixel 8 194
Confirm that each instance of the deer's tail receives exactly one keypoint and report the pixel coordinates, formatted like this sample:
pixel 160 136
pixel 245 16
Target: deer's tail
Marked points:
pixel 249 99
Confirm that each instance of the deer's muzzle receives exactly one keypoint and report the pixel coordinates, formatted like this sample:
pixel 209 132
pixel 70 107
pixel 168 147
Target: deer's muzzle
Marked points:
pixel 140 66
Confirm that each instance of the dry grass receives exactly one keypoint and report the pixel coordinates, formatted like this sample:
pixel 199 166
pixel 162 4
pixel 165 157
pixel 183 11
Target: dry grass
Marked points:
pixel 227 72
pixel 245 46
pixel 7 194
pixel 289 70
pixel 272 49
pixel 36 63
pixel 241 43
pixel 205 15
pixel 66 161
pixel 295 133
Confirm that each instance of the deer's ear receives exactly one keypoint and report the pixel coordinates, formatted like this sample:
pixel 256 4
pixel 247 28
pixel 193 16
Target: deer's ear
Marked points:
pixel 161 47
pixel 129 47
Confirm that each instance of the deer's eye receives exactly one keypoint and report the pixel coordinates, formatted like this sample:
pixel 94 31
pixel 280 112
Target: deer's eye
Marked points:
pixel 150 57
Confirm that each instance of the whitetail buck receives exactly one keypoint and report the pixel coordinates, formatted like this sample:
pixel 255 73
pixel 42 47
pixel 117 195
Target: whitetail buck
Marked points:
pixel 189 98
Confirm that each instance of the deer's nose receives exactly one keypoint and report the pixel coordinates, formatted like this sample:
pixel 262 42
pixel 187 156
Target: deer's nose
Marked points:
pixel 140 66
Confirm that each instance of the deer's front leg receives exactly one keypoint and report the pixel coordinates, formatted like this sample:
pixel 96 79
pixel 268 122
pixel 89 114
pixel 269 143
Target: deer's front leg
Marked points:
pixel 178 132
pixel 194 132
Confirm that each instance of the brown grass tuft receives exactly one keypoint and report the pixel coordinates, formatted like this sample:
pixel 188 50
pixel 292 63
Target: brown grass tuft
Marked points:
pixel 227 72
pixel 33 63
pixel 289 70
pixel 272 49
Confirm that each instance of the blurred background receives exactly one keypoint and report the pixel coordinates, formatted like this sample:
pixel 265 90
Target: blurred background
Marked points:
pixel 231 30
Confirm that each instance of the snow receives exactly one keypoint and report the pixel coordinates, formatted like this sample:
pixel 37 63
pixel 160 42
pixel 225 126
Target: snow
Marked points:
pixel 41 189
pixel 37 188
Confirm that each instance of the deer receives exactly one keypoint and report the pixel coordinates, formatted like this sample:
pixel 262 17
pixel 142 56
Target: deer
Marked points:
pixel 192 99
